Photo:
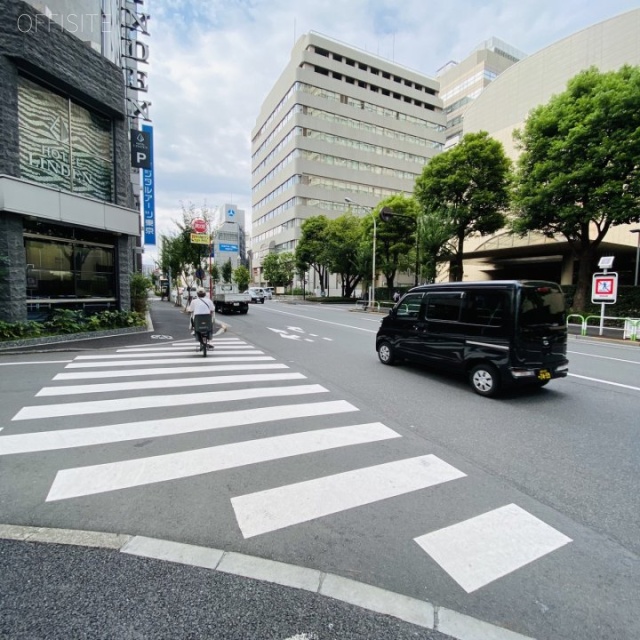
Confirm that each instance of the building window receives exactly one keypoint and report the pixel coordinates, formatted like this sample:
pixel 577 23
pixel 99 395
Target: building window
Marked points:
pixel 64 145
pixel 65 270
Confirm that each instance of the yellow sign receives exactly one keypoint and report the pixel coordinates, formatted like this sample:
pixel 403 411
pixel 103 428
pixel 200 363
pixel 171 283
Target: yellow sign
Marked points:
pixel 200 238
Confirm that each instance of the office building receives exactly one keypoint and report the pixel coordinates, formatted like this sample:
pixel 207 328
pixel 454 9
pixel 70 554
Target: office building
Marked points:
pixel 338 123
pixel 229 241
pixel 462 82
pixel 68 220
pixel 503 106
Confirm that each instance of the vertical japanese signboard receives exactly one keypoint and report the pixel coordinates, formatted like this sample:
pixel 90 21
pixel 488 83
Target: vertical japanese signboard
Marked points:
pixel 148 195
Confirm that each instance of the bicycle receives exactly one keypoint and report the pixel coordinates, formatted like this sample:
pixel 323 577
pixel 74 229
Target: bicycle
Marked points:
pixel 203 327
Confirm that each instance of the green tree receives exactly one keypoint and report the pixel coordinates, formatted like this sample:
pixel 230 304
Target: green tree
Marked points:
pixel 227 271
pixel 241 277
pixel 434 233
pixel 469 186
pixel 139 286
pixel 287 267
pixel 311 250
pixel 344 251
pixel 579 172
pixel 278 269
pixel 214 272
pixel 396 239
pixel 178 255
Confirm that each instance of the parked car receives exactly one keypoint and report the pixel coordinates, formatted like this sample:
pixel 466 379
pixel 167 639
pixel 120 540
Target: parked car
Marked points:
pixel 269 292
pixel 257 294
pixel 497 333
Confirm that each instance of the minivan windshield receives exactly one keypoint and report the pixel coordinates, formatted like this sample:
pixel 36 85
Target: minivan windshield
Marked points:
pixel 541 306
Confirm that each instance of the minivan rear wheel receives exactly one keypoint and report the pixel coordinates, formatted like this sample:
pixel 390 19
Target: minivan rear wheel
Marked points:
pixel 386 353
pixel 484 379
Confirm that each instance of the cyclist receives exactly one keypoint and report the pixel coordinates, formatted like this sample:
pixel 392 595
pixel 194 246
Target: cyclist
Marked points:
pixel 200 305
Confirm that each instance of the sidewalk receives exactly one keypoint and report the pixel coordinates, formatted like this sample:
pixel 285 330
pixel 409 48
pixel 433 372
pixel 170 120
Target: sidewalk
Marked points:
pixel 65 584
pixel 60 584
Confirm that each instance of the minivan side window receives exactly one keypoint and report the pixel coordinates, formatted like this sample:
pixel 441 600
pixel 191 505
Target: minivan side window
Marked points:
pixel 409 306
pixel 485 308
pixel 444 306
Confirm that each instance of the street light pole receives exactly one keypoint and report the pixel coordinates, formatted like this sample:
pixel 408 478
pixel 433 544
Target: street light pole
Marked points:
pixel 372 291
pixel 635 277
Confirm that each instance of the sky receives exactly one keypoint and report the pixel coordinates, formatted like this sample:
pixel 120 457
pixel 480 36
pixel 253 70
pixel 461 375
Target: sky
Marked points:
pixel 213 62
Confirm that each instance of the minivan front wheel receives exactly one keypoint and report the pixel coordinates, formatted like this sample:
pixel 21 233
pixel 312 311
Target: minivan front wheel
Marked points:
pixel 485 380
pixel 386 353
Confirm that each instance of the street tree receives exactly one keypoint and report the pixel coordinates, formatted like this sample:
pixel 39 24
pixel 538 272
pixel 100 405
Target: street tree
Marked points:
pixel 435 248
pixel 311 250
pixel 287 267
pixel 343 251
pixel 278 269
pixel 578 174
pixel 396 237
pixel 241 277
pixel 178 255
pixel 214 272
pixel 469 186
pixel 227 271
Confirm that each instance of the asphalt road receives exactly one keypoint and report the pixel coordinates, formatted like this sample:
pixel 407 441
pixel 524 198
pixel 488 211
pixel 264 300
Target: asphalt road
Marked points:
pixel 521 512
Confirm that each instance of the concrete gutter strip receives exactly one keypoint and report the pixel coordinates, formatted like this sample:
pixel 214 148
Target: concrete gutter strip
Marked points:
pixel 418 612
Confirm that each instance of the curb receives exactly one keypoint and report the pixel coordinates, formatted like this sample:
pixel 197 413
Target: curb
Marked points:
pixel 72 337
pixel 418 612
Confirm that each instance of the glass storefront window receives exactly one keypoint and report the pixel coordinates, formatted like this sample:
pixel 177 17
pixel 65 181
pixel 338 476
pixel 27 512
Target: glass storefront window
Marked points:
pixel 64 145
pixel 59 270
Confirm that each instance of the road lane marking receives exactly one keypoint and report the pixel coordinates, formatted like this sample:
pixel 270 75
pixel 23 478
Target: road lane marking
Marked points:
pixel 337 324
pixel 100 375
pixel 19 364
pixel 592 355
pixel 84 481
pixel 89 436
pixel 274 509
pixel 615 384
pixel 202 361
pixel 480 550
pixel 155 402
pixel 174 383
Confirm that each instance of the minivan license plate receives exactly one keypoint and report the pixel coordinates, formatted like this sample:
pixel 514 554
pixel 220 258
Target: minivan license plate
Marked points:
pixel 543 374
pixel 236 304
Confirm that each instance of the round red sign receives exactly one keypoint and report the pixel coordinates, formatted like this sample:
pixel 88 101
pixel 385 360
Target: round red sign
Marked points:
pixel 199 225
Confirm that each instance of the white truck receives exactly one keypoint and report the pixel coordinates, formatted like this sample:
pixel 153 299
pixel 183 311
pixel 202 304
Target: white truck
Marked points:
pixel 227 299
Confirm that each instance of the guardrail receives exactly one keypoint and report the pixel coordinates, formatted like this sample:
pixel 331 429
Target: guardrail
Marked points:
pixel 630 327
pixel 363 305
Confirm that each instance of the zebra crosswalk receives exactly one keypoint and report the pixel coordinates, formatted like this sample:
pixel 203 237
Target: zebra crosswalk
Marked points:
pixel 219 387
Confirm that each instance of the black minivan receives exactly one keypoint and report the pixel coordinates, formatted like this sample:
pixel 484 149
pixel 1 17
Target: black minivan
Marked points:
pixel 499 333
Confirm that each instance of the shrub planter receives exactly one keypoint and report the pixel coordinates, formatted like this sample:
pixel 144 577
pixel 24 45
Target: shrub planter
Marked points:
pixel 69 337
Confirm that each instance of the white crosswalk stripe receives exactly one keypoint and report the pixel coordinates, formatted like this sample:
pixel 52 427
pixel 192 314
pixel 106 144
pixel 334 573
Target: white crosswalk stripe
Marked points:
pixel 84 481
pixel 143 362
pixel 160 371
pixel 172 383
pixel 68 438
pixel 150 402
pixel 121 356
pixel 482 549
pixel 274 509
pixel 474 552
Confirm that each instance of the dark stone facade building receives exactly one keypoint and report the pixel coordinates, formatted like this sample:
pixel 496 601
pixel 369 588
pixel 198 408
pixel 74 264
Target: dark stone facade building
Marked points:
pixel 68 225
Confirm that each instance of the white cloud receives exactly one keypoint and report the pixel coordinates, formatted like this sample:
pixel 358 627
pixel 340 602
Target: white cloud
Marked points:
pixel 214 61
